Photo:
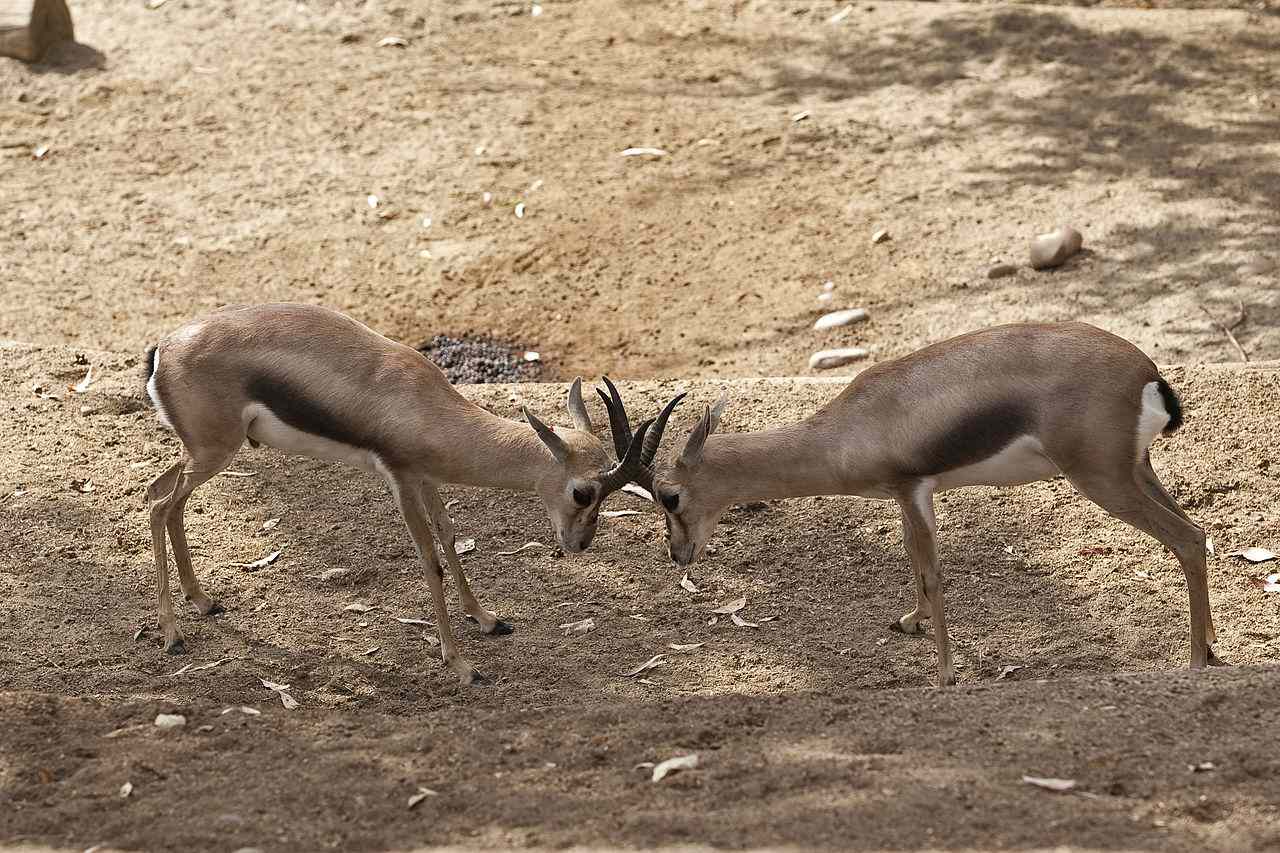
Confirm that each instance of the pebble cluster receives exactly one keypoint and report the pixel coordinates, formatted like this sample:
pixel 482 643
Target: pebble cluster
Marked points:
pixel 479 360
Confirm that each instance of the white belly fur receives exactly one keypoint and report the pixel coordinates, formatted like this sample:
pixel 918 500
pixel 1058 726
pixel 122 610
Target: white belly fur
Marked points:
pixel 1021 461
pixel 264 427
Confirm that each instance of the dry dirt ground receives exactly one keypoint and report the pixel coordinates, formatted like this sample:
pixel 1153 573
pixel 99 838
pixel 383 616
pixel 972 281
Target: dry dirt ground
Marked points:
pixel 215 152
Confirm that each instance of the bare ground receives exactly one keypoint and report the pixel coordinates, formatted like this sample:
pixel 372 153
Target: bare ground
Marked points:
pixel 206 153
pixel 818 729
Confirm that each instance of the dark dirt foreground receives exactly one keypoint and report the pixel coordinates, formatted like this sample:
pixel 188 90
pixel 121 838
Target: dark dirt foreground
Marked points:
pixel 818 729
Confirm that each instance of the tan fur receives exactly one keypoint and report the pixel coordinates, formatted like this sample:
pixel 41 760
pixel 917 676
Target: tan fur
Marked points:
pixel 1081 390
pixel 424 433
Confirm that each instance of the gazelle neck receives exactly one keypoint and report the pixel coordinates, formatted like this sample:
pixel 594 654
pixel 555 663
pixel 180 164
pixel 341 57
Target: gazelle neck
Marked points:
pixel 500 454
pixel 793 461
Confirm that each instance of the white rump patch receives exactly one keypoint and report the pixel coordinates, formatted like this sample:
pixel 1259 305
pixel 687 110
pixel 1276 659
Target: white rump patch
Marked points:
pixel 262 425
pixel 154 394
pixel 1152 418
pixel 1022 460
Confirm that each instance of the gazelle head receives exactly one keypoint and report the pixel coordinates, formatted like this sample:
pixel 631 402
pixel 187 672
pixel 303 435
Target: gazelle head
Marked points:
pixel 584 475
pixel 690 494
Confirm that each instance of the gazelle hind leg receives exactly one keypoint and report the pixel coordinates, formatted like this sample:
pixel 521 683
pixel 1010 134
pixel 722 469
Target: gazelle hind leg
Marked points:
pixel 443 525
pixel 166 515
pixel 1126 496
pixel 187 483
pixel 1155 489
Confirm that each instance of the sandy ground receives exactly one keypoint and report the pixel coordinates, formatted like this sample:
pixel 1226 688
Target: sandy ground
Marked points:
pixel 817 729
pixel 206 153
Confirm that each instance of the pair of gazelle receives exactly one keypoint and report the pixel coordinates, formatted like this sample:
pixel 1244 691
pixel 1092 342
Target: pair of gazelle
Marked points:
pixel 1002 406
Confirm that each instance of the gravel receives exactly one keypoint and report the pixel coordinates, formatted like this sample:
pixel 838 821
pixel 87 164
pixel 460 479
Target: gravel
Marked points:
pixel 474 361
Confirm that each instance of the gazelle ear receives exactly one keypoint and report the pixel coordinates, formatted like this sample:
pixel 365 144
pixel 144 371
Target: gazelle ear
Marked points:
pixel 553 442
pixel 577 408
pixel 716 411
pixel 692 453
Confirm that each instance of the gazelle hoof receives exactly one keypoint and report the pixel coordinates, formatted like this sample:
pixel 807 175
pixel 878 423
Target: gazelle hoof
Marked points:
pixel 502 629
pixel 215 609
pixel 177 647
pixel 896 625
pixel 474 678
pixel 1214 660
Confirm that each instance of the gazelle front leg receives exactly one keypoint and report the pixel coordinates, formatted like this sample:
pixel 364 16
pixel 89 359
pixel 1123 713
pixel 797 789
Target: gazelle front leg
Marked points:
pixel 409 496
pixel 919 528
pixel 443 525
pixel 910 623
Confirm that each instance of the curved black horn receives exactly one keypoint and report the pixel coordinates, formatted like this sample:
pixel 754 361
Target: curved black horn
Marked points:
pixel 628 467
pixel 654 438
pixel 619 425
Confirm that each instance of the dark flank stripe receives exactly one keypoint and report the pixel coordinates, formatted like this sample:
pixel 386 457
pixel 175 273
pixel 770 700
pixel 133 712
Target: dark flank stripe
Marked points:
pixel 1172 405
pixel 306 415
pixel 977 436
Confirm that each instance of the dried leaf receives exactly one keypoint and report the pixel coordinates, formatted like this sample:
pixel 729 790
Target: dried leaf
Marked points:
pixel 393 41
pixel 671 765
pixel 1006 671
pixel 404 620
pixel 763 619
pixel 645 667
pixel 39 153
pixel 531 356
pixel 82 486
pixel 270 524
pixel 126 789
pixel 243 709
pixel 620 513
pixel 742 623
pixel 237 473
pixel 644 152
pixel 330 574
pixel 880 236
pixel 170 721
pixel 582 626
pixel 841 15
pixel 259 564
pixel 732 607
pixel 800 116
pixel 271 685
pixel 1202 767
pixel 83 385
pixel 464 546
pixel 633 489
pixel 685 647
pixel 520 210
pixel 525 547
pixel 115 733
pixel 288 701
pixel 1271 583
pixel 422 794
pixel 193 668
pixel 1254 555
pixel 371 651
pixel 1049 784
pixel 687 584
pixel 357 607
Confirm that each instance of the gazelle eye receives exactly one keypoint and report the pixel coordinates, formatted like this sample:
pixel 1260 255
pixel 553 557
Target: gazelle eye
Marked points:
pixel 582 497
pixel 671 502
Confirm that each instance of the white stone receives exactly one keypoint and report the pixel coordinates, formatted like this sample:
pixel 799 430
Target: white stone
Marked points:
pixel 170 721
pixel 829 358
pixel 840 318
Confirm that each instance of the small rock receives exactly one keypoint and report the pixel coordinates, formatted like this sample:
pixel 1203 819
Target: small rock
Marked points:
pixel 829 358
pixel 1002 271
pixel 170 721
pixel 880 236
pixel 840 318
pixel 1052 249
pixel 1257 266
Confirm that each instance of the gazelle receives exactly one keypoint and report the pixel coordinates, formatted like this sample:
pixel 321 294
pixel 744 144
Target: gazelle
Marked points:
pixel 314 382
pixel 1002 406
